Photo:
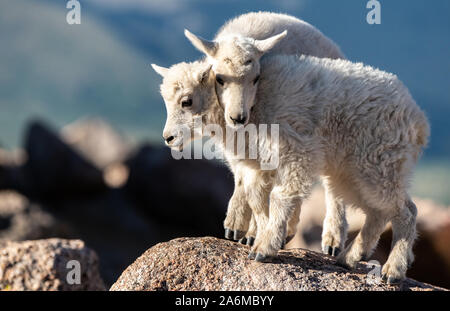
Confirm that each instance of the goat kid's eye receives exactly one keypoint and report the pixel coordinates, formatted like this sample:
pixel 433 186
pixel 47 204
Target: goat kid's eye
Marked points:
pixel 256 80
pixel 219 80
pixel 186 103
pixel 248 62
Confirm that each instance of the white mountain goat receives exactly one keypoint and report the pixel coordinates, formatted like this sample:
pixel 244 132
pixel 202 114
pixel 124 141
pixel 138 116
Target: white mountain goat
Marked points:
pixel 235 54
pixel 356 127
pixel 239 45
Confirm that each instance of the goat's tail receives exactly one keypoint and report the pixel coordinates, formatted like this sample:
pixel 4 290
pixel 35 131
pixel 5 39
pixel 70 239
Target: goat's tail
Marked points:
pixel 422 131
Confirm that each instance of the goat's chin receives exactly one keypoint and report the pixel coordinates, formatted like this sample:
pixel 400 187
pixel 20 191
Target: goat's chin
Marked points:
pixel 236 127
pixel 178 148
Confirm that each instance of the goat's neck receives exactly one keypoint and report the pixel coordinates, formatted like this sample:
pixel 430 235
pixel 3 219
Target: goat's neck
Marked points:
pixel 215 116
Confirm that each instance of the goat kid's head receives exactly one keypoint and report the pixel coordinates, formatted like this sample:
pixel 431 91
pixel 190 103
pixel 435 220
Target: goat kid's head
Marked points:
pixel 235 62
pixel 187 91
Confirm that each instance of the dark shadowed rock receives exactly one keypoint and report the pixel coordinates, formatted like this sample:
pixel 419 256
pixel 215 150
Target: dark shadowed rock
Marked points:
pixel 214 264
pixel 113 227
pixel 54 168
pixel 21 219
pixel 119 203
pixel 42 265
pixel 12 175
pixel 191 195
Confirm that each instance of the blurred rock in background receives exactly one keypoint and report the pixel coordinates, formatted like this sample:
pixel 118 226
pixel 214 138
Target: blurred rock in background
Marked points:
pixel 90 183
pixel 186 195
pixel 97 141
pixel 53 168
pixel 22 220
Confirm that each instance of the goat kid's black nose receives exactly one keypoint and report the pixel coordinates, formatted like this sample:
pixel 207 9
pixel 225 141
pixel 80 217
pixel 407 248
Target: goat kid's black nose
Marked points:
pixel 239 120
pixel 168 139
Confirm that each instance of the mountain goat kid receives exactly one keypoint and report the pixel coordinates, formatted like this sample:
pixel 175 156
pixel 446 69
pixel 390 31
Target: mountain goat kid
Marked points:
pixel 235 55
pixel 239 45
pixel 355 126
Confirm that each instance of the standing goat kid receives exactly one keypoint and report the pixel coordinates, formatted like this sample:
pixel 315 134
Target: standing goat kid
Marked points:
pixel 356 127
pixel 235 54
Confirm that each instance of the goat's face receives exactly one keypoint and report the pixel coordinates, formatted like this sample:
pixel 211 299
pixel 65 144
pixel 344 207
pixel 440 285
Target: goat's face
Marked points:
pixel 236 67
pixel 235 62
pixel 186 90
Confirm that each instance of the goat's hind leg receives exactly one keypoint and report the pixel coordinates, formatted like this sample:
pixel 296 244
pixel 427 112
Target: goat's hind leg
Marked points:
pixel 292 224
pixel 404 234
pixel 366 240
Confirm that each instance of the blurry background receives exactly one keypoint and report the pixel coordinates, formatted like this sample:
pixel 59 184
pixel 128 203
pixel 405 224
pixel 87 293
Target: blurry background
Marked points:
pixel 81 116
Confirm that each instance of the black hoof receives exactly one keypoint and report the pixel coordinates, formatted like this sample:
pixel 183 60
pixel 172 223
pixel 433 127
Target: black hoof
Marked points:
pixel 243 240
pixel 260 257
pixel 252 255
pixel 336 251
pixel 229 234
pixel 250 241
pixel 328 250
pixel 289 238
pixel 390 280
pixel 238 235
pixel 393 281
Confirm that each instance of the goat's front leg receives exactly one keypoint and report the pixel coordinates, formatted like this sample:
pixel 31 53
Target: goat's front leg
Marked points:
pixel 272 237
pixel 292 184
pixel 292 224
pixel 238 217
pixel 257 188
pixel 249 238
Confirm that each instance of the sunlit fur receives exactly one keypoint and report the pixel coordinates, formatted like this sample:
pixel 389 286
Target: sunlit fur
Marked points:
pixel 248 37
pixel 352 125
pixel 242 41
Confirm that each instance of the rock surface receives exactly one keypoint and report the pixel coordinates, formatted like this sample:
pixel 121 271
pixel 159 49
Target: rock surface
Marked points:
pixel 214 264
pixel 41 265
pixel 432 254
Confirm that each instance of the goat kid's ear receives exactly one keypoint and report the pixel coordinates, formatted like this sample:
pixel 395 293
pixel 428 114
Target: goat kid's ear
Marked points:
pixel 265 45
pixel 205 46
pixel 204 74
pixel 160 70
